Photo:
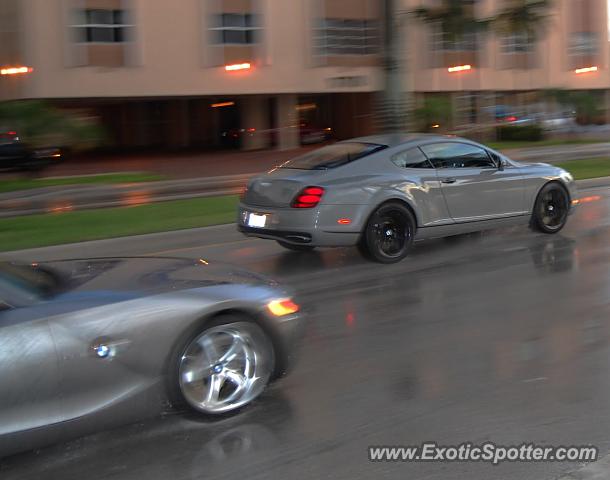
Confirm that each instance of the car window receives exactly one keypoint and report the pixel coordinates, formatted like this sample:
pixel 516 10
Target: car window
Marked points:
pixel 22 285
pixel 412 158
pixel 457 155
pixel 495 157
pixel 333 156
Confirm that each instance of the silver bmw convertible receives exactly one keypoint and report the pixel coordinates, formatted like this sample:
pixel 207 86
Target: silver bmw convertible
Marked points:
pixel 89 344
pixel 383 192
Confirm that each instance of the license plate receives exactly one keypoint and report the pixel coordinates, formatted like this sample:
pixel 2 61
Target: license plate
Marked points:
pixel 256 220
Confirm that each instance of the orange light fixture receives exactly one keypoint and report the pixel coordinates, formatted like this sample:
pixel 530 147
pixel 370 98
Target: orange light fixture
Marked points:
pixel 222 104
pixel 15 70
pixel 579 71
pixel 344 221
pixel 237 66
pixel 282 307
pixel 459 68
pixel 306 106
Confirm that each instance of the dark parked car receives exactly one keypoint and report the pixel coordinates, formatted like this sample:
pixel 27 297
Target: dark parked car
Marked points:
pixel 17 155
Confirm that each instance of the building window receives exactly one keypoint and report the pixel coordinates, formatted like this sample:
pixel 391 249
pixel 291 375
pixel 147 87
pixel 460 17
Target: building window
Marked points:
pixel 517 43
pixel 583 44
pixel 235 29
pixel 334 36
pixel 102 26
pixel 444 42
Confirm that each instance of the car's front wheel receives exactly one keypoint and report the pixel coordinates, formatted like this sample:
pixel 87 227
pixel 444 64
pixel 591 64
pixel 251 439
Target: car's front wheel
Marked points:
pixel 551 208
pixel 389 233
pixel 225 366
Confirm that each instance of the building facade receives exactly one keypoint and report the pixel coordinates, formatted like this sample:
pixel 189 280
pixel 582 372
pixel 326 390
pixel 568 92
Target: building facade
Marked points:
pixel 571 51
pixel 171 74
pixel 255 73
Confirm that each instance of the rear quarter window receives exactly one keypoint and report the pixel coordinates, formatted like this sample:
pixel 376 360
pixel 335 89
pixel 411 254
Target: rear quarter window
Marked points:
pixel 412 158
pixel 333 156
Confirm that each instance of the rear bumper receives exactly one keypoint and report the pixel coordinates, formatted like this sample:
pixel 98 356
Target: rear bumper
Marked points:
pixel 317 227
pixel 298 238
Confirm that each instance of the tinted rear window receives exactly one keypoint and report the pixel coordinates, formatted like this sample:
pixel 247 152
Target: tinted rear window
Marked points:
pixel 333 156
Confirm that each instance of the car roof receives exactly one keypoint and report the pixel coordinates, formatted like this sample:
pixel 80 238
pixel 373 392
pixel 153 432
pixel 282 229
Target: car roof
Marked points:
pixel 395 139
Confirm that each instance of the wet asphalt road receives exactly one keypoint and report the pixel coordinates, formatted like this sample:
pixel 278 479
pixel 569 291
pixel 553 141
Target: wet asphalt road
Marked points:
pixel 501 337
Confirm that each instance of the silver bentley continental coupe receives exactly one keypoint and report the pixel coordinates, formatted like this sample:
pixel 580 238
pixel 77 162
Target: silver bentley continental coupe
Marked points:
pixel 383 192
pixel 90 344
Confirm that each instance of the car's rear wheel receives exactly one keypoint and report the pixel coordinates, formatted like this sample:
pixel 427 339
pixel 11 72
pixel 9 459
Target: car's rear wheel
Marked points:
pixel 389 233
pixel 551 209
pixel 296 248
pixel 224 366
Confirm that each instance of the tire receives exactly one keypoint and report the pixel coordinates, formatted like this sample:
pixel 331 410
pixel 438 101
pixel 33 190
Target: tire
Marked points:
pixel 223 366
pixel 296 248
pixel 388 234
pixel 551 208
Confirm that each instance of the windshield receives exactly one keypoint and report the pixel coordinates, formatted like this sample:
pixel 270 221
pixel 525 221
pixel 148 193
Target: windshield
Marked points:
pixel 333 156
pixel 24 284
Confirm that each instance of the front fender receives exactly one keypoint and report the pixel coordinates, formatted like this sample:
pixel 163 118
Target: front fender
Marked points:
pixel 535 181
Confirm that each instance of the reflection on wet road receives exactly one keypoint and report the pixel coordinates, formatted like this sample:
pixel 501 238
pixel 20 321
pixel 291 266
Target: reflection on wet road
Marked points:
pixel 502 337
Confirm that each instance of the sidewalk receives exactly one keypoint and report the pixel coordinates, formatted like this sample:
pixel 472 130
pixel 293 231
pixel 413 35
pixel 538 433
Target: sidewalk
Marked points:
pixel 177 165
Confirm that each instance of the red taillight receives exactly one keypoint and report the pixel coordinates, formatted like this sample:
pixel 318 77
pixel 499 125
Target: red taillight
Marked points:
pixel 308 198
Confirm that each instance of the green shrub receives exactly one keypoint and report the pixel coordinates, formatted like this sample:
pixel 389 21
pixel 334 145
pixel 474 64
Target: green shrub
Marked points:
pixel 520 133
pixel 41 124
pixel 436 110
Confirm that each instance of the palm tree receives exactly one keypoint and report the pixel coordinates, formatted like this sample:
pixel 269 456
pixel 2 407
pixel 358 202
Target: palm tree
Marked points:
pixel 455 18
pixel 390 107
pixel 457 27
pixel 525 17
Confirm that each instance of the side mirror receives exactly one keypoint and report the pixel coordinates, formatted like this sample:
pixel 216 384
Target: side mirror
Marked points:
pixel 500 164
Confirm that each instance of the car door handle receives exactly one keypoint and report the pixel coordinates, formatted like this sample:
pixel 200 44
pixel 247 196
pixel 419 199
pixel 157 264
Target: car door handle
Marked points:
pixel 448 180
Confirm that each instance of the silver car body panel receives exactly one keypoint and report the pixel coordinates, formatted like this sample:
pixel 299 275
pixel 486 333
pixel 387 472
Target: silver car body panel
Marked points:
pixel 478 199
pixel 54 385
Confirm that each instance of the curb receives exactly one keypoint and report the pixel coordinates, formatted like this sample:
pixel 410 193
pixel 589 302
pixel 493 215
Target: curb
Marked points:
pixel 214 233
pixel 593 183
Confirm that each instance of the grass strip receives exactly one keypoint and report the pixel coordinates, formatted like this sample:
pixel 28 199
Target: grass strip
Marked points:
pixel 57 228
pixel 110 178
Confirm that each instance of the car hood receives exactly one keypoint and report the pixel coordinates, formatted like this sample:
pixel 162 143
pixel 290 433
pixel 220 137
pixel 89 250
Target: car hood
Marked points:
pixel 146 275
pixel 537 164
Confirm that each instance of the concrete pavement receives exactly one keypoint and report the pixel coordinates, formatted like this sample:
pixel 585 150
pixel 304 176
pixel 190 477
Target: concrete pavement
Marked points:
pixel 502 337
